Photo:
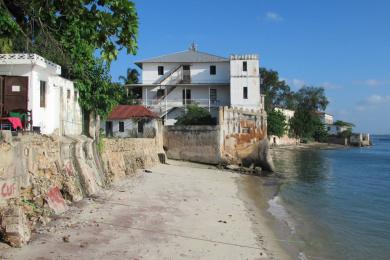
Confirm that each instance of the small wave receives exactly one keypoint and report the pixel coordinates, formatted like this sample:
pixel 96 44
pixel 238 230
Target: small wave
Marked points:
pixel 280 213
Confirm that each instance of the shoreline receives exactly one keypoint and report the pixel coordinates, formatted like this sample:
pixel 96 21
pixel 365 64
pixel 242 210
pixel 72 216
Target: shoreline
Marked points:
pixel 181 210
pixel 308 146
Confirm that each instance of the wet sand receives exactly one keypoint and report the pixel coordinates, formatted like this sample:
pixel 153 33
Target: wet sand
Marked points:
pixel 178 211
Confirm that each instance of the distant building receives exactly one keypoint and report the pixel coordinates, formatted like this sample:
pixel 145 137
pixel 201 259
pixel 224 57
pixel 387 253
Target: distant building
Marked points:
pixel 336 130
pixel 131 121
pixel 31 88
pixel 173 81
pixel 326 119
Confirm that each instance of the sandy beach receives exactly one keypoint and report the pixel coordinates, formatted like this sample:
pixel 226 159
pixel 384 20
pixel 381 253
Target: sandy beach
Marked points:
pixel 176 211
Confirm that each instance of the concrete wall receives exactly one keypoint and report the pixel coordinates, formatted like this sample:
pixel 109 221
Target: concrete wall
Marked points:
pixel 193 143
pixel 239 138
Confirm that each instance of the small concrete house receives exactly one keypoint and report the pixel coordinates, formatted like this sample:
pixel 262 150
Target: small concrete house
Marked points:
pixel 131 121
pixel 31 86
pixel 173 81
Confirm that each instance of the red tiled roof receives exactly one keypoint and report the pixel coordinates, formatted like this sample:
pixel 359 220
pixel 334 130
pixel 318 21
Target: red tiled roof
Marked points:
pixel 130 111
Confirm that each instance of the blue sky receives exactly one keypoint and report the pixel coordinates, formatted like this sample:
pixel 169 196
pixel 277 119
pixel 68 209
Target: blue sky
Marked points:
pixel 341 45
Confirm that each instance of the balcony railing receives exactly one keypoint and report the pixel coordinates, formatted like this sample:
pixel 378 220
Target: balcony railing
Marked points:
pixel 161 106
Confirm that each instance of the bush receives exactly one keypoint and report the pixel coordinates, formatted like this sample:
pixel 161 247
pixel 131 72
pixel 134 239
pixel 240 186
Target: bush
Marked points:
pixel 196 116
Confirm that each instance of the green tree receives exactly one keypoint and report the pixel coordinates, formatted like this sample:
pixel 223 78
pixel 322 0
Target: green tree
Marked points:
pixel 306 122
pixel 195 115
pixel 277 92
pixel 81 36
pixel 132 77
pixel 276 122
pixel 312 98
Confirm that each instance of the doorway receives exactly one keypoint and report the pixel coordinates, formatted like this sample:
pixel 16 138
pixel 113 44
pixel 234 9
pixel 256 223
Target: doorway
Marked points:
pixel 186 96
pixel 109 132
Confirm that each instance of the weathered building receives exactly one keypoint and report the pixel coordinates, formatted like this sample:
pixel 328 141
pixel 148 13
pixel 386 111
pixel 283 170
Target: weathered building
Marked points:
pixel 32 87
pixel 172 82
pixel 131 121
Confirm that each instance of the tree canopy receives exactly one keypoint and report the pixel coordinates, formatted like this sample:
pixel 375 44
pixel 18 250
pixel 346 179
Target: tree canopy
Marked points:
pixel 277 92
pixel 306 122
pixel 276 122
pixel 81 36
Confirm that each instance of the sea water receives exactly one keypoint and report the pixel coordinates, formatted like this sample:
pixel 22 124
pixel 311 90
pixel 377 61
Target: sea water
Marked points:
pixel 336 202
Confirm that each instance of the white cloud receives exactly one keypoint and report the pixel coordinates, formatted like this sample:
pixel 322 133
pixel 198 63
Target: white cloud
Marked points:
pixel 371 82
pixel 298 83
pixel 274 17
pixel 329 85
pixel 372 102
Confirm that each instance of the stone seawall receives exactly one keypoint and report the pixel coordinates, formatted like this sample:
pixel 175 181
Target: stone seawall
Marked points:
pixel 122 156
pixel 41 175
pixel 193 143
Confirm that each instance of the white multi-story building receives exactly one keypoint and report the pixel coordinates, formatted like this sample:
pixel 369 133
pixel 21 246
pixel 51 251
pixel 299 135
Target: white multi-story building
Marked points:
pixel 171 82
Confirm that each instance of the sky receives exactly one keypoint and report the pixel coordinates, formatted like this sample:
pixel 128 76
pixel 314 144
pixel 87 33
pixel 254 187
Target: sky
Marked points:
pixel 343 46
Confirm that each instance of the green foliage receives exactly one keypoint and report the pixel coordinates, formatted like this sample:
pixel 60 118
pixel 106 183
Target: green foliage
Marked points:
pixel 307 124
pixel 344 124
pixel 312 98
pixel 71 34
pixel 132 77
pixel 195 116
pixel 346 134
pixel 276 123
pixel 277 92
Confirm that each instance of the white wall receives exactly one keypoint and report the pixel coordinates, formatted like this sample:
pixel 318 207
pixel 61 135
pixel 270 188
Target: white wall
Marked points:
pixel 240 79
pixel 130 128
pixel 198 94
pixel 49 117
pixel 200 72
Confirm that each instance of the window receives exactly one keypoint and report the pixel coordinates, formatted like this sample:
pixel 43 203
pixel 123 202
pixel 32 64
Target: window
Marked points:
pixel 76 94
pixel 186 67
pixel 245 93
pixel 68 94
pixel 42 93
pixel 213 95
pixel 141 127
pixel 213 70
pixel 244 66
pixel 160 70
pixel 121 127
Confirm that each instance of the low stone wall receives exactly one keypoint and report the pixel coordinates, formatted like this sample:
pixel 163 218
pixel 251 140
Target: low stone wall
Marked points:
pixel 41 175
pixel 122 156
pixel 193 143
pixel 38 174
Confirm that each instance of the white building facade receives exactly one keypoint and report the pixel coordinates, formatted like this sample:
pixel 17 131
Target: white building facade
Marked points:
pixel 33 84
pixel 172 82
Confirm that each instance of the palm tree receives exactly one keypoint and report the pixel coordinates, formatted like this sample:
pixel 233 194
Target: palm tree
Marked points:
pixel 131 77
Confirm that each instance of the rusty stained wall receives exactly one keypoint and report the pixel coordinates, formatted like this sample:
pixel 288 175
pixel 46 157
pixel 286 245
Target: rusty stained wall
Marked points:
pixel 241 131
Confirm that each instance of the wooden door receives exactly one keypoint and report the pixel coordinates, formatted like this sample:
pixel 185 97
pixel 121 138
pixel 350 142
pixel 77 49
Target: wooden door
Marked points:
pixel 15 93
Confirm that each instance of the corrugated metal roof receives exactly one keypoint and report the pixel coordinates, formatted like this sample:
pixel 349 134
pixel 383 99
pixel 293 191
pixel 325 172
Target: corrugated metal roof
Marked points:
pixel 189 56
pixel 130 111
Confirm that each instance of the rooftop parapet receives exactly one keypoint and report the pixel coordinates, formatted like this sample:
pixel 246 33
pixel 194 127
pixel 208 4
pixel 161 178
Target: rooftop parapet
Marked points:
pixel 29 59
pixel 244 57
